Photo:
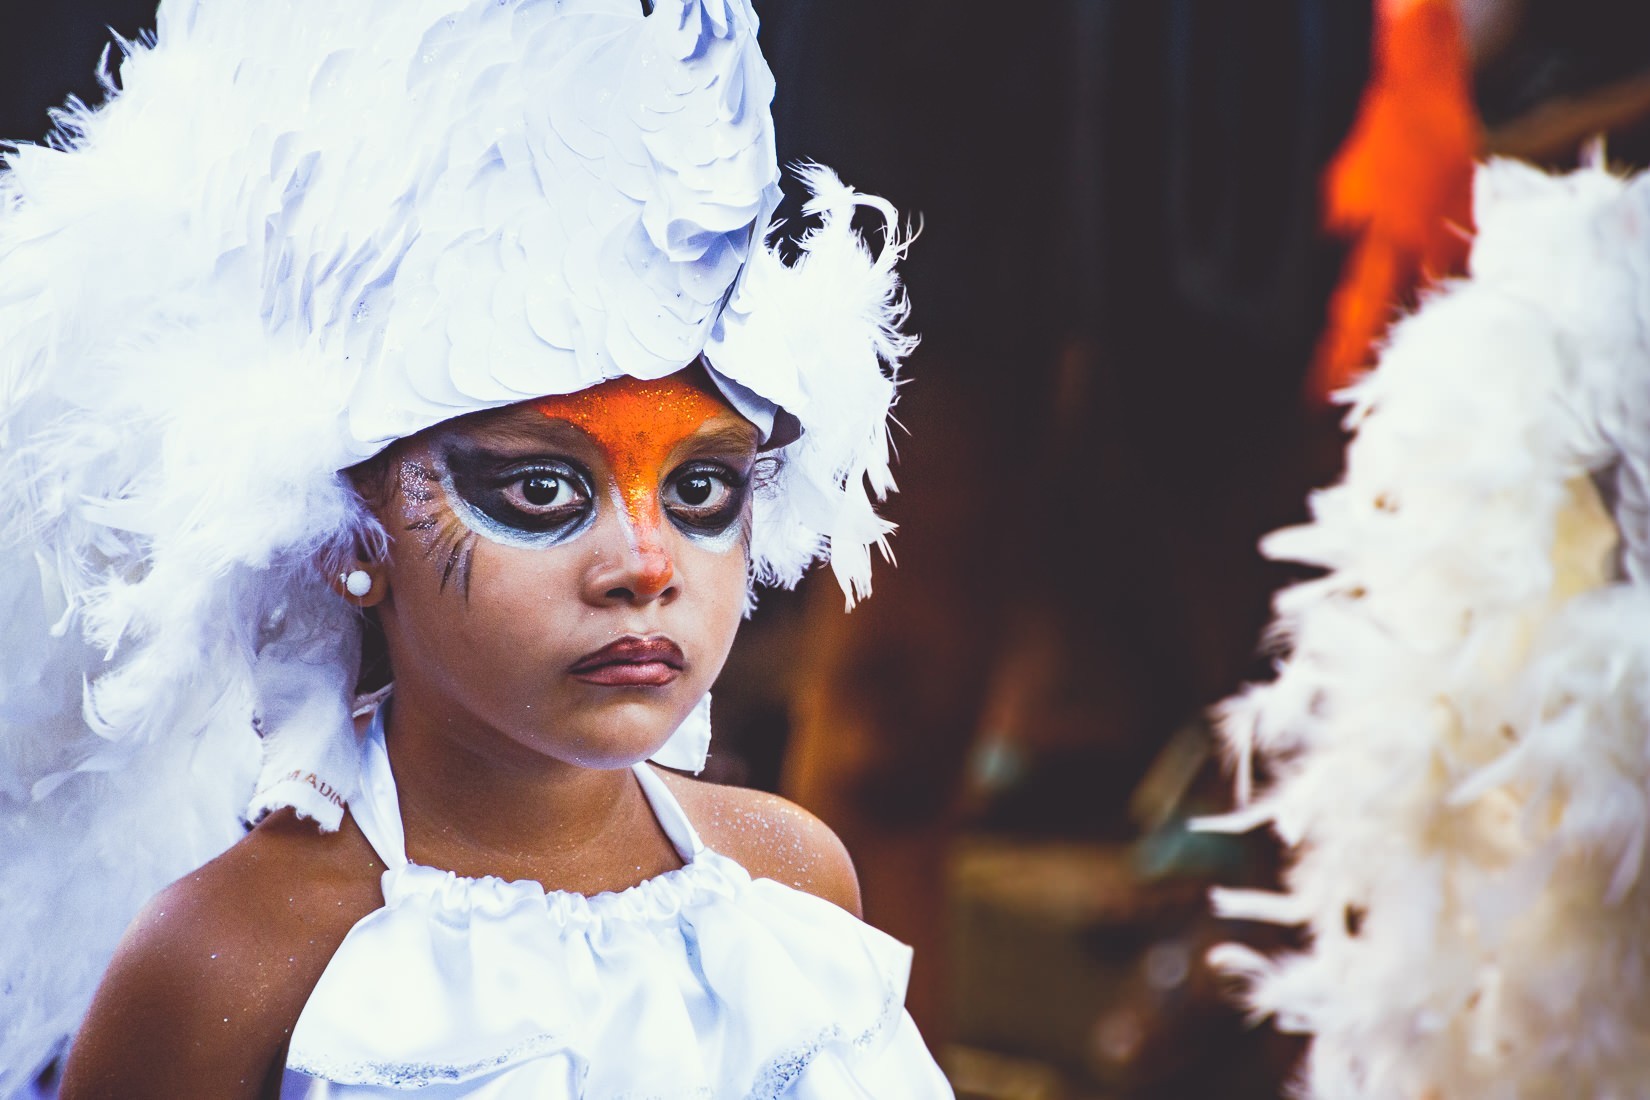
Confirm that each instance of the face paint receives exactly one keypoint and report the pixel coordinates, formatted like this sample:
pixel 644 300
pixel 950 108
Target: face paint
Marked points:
pixel 443 532
pixel 531 502
pixel 537 499
pixel 638 425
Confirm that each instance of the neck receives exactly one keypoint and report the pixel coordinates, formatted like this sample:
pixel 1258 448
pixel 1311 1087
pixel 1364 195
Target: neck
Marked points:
pixel 477 802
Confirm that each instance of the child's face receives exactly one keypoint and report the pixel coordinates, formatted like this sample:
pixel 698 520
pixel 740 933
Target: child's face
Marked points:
pixel 570 571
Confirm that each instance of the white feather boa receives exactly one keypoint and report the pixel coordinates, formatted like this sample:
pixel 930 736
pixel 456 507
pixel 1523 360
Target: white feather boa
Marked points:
pixel 1459 736
pixel 302 230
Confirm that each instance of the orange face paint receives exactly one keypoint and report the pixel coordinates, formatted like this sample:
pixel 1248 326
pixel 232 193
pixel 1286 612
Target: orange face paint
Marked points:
pixel 637 425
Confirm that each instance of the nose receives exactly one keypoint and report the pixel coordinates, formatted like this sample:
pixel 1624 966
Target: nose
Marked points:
pixel 634 563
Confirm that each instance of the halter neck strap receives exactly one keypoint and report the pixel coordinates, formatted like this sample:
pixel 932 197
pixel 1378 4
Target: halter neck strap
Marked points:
pixel 377 808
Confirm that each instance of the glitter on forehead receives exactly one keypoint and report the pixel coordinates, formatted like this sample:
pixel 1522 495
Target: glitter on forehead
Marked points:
pixel 637 424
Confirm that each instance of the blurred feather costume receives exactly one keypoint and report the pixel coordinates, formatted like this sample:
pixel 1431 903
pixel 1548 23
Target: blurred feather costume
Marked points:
pixel 1458 739
pixel 296 233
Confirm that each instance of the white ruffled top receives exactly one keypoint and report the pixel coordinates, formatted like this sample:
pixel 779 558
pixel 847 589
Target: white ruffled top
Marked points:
pixel 701 982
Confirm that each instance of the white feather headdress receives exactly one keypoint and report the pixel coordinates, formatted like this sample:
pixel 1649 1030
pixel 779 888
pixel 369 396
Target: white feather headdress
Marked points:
pixel 299 232
pixel 1459 736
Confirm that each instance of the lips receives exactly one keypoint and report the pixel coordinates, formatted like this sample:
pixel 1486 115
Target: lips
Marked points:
pixel 631 662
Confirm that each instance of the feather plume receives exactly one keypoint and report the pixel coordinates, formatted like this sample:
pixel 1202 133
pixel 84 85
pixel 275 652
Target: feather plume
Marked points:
pixel 822 338
pixel 1456 734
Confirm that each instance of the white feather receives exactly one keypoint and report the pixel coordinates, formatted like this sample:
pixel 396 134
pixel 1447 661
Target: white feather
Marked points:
pixel 822 339
pixel 1458 732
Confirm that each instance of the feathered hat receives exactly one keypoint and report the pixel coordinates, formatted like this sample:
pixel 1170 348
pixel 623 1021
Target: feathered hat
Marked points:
pixel 298 232
pixel 1458 738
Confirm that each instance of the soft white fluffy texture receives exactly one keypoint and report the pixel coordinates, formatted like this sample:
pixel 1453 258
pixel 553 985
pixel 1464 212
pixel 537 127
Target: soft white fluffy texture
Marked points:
pixel 301 231
pixel 1459 736
pixel 813 338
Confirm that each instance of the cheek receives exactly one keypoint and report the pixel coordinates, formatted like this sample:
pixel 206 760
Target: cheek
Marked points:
pixel 715 576
pixel 519 597
pixel 493 646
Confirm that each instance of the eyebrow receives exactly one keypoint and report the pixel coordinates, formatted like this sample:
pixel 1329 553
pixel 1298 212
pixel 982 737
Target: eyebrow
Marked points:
pixel 728 437
pixel 521 432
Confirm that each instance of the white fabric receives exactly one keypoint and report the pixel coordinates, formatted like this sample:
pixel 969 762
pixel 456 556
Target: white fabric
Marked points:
pixel 688 747
pixel 596 234
pixel 701 982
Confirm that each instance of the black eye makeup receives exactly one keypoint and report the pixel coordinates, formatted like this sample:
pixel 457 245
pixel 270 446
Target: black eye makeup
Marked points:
pixel 520 495
pixel 705 498
pixel 520 500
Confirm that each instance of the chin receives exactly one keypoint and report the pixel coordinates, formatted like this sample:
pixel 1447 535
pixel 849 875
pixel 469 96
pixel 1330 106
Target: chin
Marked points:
pixel 620 734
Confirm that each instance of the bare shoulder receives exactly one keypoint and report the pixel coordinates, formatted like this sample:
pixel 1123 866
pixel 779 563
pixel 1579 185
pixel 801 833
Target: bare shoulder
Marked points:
pixel 771 837
pixel 208 980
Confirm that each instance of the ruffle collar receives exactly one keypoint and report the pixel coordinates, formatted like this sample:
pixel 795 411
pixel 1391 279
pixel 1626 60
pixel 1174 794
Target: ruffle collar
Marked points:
pixel 698 982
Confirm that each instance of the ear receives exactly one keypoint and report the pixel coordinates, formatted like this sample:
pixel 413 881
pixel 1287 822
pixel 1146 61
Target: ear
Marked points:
pixel 364 584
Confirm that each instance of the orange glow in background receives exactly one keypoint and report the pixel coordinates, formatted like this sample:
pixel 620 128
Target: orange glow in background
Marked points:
pixel 1400 189
pixel 637 425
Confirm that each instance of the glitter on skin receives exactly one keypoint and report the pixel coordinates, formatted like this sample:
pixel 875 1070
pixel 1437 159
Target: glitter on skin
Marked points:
pixel 637 425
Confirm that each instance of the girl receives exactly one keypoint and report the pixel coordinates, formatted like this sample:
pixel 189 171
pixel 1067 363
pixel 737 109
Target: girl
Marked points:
pixel 446 333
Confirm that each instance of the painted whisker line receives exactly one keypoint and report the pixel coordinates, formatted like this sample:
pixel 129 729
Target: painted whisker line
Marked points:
pixel 459 557
pixel 466 567
pixel 456 543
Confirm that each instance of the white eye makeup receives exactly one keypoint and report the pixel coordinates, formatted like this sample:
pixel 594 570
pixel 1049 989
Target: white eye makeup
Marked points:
pixel 532 501
pixel 535 491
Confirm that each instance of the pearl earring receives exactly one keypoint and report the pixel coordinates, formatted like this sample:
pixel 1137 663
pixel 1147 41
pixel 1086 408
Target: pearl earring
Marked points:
pixel 357 583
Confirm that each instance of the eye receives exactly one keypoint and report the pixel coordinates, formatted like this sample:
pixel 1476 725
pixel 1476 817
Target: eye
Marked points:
pixel 705 496
pixel 696 490
pixel 522 501
pixel 544 491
